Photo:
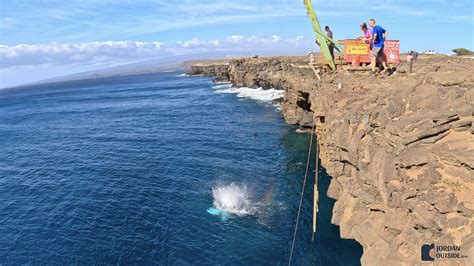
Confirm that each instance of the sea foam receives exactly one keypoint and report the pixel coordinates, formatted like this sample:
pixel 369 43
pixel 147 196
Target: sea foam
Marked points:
pixel 258 94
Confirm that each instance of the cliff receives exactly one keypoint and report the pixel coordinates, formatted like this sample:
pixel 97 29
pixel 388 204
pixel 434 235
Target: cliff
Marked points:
pixel 400 148
pixel 216 69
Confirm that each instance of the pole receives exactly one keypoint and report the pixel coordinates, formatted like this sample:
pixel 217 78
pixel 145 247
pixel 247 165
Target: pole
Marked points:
pixel 319 35
pixel 316 192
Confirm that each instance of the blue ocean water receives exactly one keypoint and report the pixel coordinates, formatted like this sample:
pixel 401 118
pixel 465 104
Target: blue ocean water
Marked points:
pixel 123 170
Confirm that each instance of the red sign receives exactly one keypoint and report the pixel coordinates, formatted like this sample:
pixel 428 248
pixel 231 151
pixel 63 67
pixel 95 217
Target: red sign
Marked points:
pixel 392 51
pixel 358 51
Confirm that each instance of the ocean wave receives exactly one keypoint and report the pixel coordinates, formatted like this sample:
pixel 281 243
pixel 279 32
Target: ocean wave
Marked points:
pixel 222 86
pixel 258 94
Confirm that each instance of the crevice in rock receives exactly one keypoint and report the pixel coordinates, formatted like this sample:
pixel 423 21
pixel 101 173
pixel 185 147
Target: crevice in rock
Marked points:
pixel 303 101
pixel 376 210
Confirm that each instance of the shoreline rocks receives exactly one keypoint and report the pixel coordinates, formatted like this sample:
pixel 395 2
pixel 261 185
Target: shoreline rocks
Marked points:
pixel 400 148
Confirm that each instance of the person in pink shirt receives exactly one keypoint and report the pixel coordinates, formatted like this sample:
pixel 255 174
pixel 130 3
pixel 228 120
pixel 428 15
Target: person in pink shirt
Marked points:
pixel 367 37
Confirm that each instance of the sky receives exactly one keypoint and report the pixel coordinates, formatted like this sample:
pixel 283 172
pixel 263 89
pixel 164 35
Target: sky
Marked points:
pixel 41 39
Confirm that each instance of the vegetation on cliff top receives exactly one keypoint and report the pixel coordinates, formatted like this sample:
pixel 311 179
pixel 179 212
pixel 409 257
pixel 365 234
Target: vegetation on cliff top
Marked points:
pixel 463 51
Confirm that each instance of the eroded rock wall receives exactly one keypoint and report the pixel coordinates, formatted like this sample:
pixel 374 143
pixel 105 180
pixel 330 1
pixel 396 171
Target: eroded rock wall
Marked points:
pixel 401 151
pixel 218 71
pixel 400 148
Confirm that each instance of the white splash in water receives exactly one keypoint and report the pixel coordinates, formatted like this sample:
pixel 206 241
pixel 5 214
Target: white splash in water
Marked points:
pixel 258 94
pixel 222 86
pixel 233 199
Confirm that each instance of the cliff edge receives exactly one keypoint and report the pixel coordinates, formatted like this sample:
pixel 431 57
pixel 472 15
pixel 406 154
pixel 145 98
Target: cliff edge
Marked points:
pixel 400 148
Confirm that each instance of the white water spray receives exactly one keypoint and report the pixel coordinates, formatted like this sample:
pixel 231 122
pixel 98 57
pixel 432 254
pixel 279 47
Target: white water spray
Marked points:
pixel 233 199
pixel 258 94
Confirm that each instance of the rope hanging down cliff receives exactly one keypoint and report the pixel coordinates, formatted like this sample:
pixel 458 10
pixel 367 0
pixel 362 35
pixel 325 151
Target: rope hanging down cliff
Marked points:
pixel 302 192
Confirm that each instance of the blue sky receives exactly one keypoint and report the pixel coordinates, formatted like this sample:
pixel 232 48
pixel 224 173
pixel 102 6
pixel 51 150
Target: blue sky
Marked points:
pixel 47 38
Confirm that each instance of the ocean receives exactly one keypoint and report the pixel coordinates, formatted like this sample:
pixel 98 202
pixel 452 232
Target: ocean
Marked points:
pixel 126 170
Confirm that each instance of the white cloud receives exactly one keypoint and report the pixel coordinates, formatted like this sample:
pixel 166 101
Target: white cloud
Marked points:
pixel 193 43
pixel 131 51
pixel 248 43
pixel 236 38
pixel 73 53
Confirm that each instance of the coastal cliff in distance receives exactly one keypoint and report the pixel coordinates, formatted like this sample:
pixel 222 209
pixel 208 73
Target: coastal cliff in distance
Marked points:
pixel 400 148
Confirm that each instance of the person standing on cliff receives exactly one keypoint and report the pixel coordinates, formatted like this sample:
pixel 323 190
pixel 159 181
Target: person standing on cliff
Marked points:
pixel 367 34
pixel 330 45
pixel 379 35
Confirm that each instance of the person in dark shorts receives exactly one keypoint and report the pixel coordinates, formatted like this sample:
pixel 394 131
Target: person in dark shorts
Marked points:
pixel 379 35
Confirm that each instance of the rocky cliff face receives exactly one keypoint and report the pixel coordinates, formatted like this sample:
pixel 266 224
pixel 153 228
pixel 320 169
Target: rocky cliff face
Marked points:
pixel 218 70
pixel 400 148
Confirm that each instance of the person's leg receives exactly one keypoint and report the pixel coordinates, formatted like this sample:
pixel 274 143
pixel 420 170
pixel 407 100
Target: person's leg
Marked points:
pixel 373 63
pixel 383 59
pixel 370 56
pixel 331 50
pixel 375 55
pixel 380 61
pixel 384 63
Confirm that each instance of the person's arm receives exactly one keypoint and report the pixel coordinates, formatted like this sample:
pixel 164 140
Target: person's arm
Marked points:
pixel 385 34
pixel 362 37
pixel 374 38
